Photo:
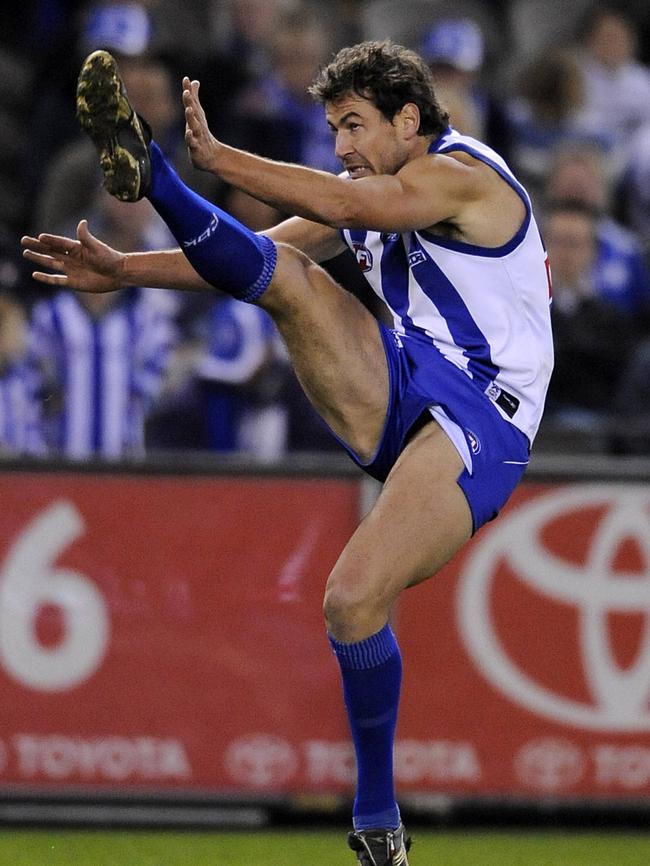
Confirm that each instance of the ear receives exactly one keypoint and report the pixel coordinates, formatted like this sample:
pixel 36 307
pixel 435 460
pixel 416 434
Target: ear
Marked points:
pixel 407 120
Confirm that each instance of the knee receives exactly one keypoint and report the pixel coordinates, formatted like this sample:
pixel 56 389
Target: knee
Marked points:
pixel 352 612
pixel 292 280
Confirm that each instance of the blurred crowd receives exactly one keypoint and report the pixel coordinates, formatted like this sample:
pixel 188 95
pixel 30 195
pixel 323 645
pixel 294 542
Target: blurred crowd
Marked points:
pixel 561 90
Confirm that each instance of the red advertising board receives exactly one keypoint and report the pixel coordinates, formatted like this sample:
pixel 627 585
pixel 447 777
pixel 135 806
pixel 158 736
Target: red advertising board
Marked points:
pixel 156 632
pixel 165 633
pixel 528 658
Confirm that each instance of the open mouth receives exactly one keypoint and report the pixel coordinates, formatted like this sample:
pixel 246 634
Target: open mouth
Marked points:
pixel 357 170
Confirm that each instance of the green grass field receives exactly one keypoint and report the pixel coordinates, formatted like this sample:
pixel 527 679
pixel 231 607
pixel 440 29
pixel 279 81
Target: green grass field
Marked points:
pixel 121 848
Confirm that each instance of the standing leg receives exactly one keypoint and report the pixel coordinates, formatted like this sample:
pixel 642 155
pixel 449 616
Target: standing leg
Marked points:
pixel 419 521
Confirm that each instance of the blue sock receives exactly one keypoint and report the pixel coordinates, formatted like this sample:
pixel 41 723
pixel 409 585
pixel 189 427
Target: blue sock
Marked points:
pixel 372 673
pixel 223 251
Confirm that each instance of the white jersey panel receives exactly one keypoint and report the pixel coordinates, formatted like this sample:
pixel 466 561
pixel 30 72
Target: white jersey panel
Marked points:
pixel 485 309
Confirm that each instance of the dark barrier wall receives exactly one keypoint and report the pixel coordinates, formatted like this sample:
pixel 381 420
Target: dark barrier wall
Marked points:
pixel 161 632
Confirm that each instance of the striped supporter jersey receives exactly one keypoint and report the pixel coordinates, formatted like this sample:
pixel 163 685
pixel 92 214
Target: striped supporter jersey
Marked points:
pixel 20 422
pixel 101 373
pixel 486 309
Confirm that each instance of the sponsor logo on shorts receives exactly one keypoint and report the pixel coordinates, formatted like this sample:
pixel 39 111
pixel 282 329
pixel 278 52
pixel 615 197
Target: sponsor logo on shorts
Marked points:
pixel 211 229
pixel 364 256
pixel 474 442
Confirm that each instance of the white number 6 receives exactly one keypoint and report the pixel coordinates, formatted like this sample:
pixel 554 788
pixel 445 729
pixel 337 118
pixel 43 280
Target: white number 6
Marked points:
pixel 29 581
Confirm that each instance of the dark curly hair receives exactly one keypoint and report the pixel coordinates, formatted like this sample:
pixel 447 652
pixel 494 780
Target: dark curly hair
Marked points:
pixel 387 74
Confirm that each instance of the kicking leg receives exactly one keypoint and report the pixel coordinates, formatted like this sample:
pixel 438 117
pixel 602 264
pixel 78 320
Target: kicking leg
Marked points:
pixel 334 342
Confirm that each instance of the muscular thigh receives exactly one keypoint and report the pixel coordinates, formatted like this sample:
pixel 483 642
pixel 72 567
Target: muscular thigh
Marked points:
pixel 335 348
pixel 420 520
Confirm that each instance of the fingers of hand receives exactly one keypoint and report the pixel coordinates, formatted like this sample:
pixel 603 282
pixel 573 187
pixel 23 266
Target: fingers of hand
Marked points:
pixel 44 260
pixel 53 244
pixel 32 244
pixel 50 279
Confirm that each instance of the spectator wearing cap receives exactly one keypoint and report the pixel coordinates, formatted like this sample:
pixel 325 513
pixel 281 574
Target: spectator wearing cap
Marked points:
pixel 454 49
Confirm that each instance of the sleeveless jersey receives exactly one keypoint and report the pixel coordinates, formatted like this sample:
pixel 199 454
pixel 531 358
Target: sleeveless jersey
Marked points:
pixel 485 309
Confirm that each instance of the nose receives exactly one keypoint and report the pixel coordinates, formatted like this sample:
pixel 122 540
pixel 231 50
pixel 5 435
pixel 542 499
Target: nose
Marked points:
pixel 343 146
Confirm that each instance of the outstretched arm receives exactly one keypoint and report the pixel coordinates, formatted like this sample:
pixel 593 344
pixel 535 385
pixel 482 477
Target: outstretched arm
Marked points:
pixel 427 189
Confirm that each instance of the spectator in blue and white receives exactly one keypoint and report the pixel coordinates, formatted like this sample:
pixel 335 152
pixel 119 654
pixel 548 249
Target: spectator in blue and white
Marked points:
pixel 616 85
pixel 621 277
pixel 103 359
pixel 20 417
pixel 244 371
pixel 20 428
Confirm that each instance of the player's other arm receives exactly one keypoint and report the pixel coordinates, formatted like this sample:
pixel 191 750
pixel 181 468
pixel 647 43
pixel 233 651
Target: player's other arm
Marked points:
pixel 170 268
pixel 87 264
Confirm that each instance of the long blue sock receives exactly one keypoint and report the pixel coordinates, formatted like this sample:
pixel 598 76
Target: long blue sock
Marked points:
pixel 371 671
pixel 223 251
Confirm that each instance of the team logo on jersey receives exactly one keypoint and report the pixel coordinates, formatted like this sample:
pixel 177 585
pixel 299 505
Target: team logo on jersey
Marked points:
pixel 416 257
pixel 364 256
pixel 474 442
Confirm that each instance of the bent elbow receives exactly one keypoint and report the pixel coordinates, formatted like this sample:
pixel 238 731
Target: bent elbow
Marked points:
pixel 342 214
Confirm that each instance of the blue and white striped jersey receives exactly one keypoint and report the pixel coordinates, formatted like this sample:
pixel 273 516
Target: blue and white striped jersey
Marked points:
pixel 20 420
pixel 485 309
pixel 103 372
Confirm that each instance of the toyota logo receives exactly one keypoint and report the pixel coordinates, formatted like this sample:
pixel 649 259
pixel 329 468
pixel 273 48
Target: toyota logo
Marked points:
pixel 261 760
pixel 609 578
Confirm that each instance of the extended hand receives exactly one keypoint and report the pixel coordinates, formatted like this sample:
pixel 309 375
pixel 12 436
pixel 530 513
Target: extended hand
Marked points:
pixel 202 146
pixel 85 264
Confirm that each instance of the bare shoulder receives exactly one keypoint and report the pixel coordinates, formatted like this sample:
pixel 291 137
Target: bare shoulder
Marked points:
pixel 485 209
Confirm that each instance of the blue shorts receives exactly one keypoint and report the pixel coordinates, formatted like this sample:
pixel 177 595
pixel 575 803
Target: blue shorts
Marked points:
pixel 423 384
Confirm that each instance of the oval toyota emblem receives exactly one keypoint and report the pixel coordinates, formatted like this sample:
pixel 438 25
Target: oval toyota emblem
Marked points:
pixel 261 760
pixel 573 595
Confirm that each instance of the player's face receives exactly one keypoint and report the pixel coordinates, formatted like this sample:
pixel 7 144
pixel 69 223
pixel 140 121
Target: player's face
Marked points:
pixel 366 142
